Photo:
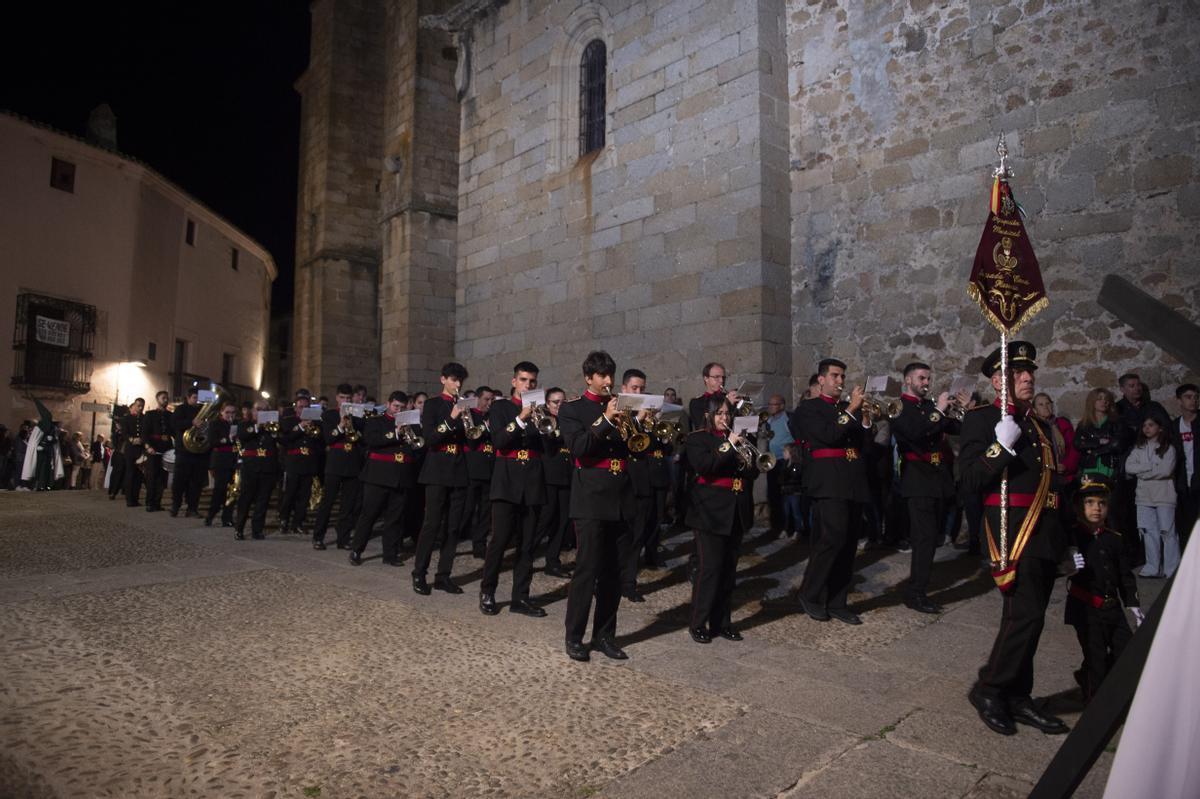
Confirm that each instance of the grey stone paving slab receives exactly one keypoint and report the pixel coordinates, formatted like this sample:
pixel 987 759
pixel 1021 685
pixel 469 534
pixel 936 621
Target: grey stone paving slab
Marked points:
pixel 880 768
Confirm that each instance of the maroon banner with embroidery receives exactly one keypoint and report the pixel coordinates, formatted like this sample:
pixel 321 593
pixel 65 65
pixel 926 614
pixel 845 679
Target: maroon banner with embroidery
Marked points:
pixel 1006 280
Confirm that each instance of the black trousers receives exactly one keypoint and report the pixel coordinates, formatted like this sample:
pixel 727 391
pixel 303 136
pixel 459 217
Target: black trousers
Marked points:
pixel 553 521
pixel 645 525
pixel 598 573
pixel 442 504
pixel 775 496
pixel 116 480
pixel 221 480
pixel 830 566
pixel 349 489
pixel 255 497
pixel 133 476
pixel 293 507
pixel 716 572
pixel 1103 634
pixel 156 481
pixel 926 517
pixel 477 515
pixel 191 474
pixel 381 501
pixel 1186 510
pixel 509 520
pixel 1008 673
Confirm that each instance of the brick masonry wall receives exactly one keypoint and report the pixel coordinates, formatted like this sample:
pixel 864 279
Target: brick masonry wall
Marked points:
pixel 895 109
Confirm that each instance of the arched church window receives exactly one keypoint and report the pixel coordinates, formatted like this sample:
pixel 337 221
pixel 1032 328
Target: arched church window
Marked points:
pixel 593 76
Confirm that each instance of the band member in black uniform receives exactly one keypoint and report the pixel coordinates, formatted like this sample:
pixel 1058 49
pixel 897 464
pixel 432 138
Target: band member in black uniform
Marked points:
pixel 518 492
pixel 116 478
pixel 721 511
pixel 1016 443
pixel 558 466
pixel 259 471
pixel 648 473
pixel 191 468
pixel 134 431
pixel 1095 592
pixel 300 445
pixel 343 463
pixel 159 439
pixel 222 461
pixel 444 475
pixel 835 477
pixel 388 474
pixel 926 475
pixel 481 461
pixel 602 506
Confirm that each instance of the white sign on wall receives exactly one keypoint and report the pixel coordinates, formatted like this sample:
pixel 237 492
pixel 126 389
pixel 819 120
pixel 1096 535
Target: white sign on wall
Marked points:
pixel 53 331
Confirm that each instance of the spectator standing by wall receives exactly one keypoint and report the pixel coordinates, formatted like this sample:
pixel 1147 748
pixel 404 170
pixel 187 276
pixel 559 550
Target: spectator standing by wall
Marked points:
pixel 1064 438
pixel 781 429
pixel 1187 462
pixel 1152 463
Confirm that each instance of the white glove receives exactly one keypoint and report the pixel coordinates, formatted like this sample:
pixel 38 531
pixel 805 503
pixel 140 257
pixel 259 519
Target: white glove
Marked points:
pixel 1078 559
pixel 1007 432
pixel 1138 616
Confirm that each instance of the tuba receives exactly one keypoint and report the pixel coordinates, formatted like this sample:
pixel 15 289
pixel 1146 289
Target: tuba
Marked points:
pixel 196 439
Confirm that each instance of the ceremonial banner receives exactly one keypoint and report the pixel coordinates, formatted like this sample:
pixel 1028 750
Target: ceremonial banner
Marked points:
pixel 1006 280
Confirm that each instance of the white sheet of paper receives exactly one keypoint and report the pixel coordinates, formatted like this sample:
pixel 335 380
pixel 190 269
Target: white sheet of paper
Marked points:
pixel 745 424
pixel 467 403
pixel 381 408
pixel 233 430
pixel 534 397
pixel 964 383
pixel 876 385
pixel 354 409
pixel 408 418
pixel 266 417
pixel 639 402
pixel 751 389
pixel 310 414
pixel 668 407
pixel 206 395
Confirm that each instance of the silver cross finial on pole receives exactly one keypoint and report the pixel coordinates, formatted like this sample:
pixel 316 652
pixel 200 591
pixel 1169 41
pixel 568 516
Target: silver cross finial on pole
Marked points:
pixel 1002 171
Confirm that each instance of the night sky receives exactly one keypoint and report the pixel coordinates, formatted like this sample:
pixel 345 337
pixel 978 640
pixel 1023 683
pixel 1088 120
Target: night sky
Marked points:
pixel 202 93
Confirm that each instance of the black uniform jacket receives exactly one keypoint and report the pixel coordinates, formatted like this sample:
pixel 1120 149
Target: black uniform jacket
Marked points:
pixel 558 464
pixel 696 407
pixel 518 476
pixel 157 429
pixel 301 452
pixel 1107 572
pixel 389 461
pixel 223 455
pixel 481 453
pixel 600 487
pixel 133 426
pixel 445 461
pixel 982 463
pixel 260 450
pixel 835 441
pixel 181 420
pixel 724 488
pixel 343 456
pixel 648 470
pixel 926 465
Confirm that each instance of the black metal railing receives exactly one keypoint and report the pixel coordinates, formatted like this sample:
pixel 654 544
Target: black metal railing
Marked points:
pixel 53 341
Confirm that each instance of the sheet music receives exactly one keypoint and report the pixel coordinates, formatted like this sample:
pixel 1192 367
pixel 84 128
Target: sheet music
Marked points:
pixel 266 417
pixel 534 398
pixel 310 414
pixel 876 385
pixel 639 402
pixel 745 424
pixel 408 418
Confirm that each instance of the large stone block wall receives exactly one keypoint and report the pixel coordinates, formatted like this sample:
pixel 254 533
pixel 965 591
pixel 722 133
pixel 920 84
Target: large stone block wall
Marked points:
pixel 895 110
pixel 657 247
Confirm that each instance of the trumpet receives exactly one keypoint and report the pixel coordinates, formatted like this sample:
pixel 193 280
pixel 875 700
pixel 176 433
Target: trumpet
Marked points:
pixel 955 409
pixel 271 428
pixel 411 438
pixel 476 431
pixel 751 456
pixel 542 419
pixel 879 407
pixel 352 434
pixel 630 432
pixel 668 432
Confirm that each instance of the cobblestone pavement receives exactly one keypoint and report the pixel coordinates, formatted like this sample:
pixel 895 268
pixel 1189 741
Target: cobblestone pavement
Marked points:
pixel 149 656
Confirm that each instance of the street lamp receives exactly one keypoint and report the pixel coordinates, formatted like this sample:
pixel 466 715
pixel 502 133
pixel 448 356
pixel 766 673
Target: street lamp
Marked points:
pixel 140 364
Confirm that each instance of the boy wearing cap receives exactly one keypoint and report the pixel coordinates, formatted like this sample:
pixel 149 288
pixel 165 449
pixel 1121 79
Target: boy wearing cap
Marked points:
pixel 1096 591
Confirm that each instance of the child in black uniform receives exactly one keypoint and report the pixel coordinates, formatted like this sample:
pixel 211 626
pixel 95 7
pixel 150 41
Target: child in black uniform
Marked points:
pixel 1104 574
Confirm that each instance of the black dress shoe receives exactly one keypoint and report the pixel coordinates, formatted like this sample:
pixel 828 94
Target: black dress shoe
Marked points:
pixel 174 512
pixel 257 536
pixel 993 713
pixel 922 604
pixel 319 545
pixel 633 596
pixel 699 635
pixel 355 558
pixel 558 571
pixel 191 514
pixel 239 536
pixel 208 522
pixel 393 562
pixel 845 616
pixel 610 650
pixel 447 585
pixel 577 651
pixel 730 634
pixel 340 545
pixel 487 604
pixel 1026 713
pixel 815 612
pixel 420 586
pixel 525 608
pixel 227 524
